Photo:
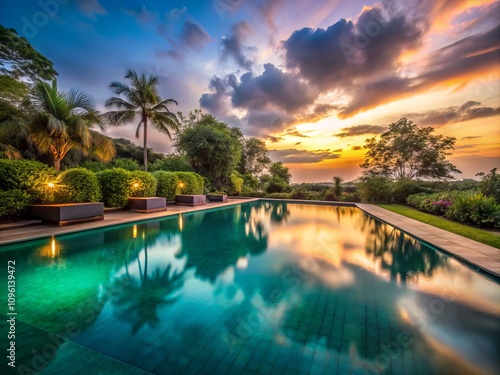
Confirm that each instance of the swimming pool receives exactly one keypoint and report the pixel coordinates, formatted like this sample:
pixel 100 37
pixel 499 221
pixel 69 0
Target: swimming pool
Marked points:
pixel 268 287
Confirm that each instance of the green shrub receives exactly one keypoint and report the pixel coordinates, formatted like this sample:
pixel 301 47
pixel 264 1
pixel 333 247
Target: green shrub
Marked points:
pixel 350 197
pixel 14 203
pixel 402 189
pixel 115 187
pixel 474 208
pixel 375 189
pixel 278 196
pixel 490 184
pixel 27 175
pixel 94 166
pixel 236 184
pixel 127 164
pixel 172 163
pixel 297 194
pixel 191 183
pixel 277 185
pixel 143 184
pixel 435 203
pixel 77 185
pixel 168 184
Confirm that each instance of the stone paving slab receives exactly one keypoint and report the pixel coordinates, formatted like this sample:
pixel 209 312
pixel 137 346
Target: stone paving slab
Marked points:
pixel 482 256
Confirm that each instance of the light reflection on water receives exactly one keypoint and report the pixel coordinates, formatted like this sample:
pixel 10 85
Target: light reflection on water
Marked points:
pixel 292 285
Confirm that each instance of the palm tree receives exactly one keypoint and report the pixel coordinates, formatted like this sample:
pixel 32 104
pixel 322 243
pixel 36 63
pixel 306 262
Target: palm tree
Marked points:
pixel 337 186
pixel 141 100
pixel 65 121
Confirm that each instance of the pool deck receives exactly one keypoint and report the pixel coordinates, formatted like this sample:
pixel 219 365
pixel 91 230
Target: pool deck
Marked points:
pixel 484 257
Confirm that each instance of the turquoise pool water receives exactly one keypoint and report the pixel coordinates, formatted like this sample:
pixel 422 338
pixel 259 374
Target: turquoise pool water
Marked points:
pixel 261 287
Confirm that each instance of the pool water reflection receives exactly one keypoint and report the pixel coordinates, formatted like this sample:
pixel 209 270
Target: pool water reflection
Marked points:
pixel 265 286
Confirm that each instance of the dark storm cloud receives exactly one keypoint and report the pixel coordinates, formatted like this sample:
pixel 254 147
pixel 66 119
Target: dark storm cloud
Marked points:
pixel 339 54
pixel 232 45
pixel 292 156
pixel 272 88
pixel 455 114
pixel 266 121
pixel 361 130
pixel 216 101
pixel 193 35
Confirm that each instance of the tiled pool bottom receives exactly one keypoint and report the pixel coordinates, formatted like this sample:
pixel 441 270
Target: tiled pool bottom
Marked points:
pixel 257 288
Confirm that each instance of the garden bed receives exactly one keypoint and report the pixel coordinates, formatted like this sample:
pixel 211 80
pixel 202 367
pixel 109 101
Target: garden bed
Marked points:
pixel 147 204
pixel 68 213
pixel 191 200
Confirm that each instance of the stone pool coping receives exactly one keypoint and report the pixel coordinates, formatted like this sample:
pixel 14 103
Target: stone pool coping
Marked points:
pixel 484 257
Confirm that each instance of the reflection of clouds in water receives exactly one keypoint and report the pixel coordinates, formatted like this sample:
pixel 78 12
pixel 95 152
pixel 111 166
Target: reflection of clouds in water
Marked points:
pixel 226 293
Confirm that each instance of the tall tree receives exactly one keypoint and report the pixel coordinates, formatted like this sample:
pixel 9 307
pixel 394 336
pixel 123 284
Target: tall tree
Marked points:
pixel 278 170
pixel 19 59
pixel 142 100
pixel 407 151
pixel 254 157
pixel 212 148
pixel 65 121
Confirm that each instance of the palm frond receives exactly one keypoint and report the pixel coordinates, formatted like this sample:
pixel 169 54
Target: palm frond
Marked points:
pixel 117 118
pixel 102 147
pixel 78 99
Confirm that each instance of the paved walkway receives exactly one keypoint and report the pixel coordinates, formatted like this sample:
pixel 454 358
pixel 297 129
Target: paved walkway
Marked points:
pixel 485 257
pixel 113 218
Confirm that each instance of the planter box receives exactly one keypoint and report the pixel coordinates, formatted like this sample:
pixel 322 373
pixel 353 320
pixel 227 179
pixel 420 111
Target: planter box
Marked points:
pixel 217 197
pixel 68 213
pixel 191 200
pixel 147 204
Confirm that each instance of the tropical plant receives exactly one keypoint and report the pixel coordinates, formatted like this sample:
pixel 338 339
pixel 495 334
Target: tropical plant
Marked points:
pixel 65 121
pixel 142 100
pixel 490 184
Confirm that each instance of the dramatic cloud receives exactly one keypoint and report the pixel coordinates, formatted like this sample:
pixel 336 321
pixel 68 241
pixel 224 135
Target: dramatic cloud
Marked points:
pixel 454 114
pixel 293 132
pixel 292 156
pixel 193 35
pixel 232 45
pixel 361 130
pixel 356 148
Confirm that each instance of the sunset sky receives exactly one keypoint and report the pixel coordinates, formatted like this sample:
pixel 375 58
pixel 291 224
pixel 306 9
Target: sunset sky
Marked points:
pixel 313 79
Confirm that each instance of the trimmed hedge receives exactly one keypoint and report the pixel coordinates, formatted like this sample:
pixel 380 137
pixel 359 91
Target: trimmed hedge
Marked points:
pixel 78 185
pixel 14 203
pixel 143 184
pixel 115 187
pixel 168 184
pixel 27 175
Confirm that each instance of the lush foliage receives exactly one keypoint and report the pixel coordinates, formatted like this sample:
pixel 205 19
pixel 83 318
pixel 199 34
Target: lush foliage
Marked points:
pixel 27 175
pixel 211 148
pixel 375 189
pixel 171 184
pixel 236 183
pixel 77 185
pixel 490 184
pixel 115 187
pixel 407 151
pixel 143 101
pixel 142 184
pixel 125 163
pixel 65 121
pixel 14 203
pixel 168 184
pixel 468 207
pixel 254 157
pixel 172 163
pixel 19 59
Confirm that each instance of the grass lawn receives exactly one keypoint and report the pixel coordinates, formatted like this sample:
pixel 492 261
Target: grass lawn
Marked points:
pixel 480 235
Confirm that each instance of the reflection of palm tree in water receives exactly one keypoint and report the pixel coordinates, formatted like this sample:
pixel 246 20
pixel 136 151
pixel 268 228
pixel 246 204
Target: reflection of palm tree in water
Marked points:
pixel 279 211
pixel 138 300
pixel 402 256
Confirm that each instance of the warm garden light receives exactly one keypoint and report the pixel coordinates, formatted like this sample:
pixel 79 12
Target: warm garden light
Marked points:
pixel 181 185
pixel 51 185
pixel 135 185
